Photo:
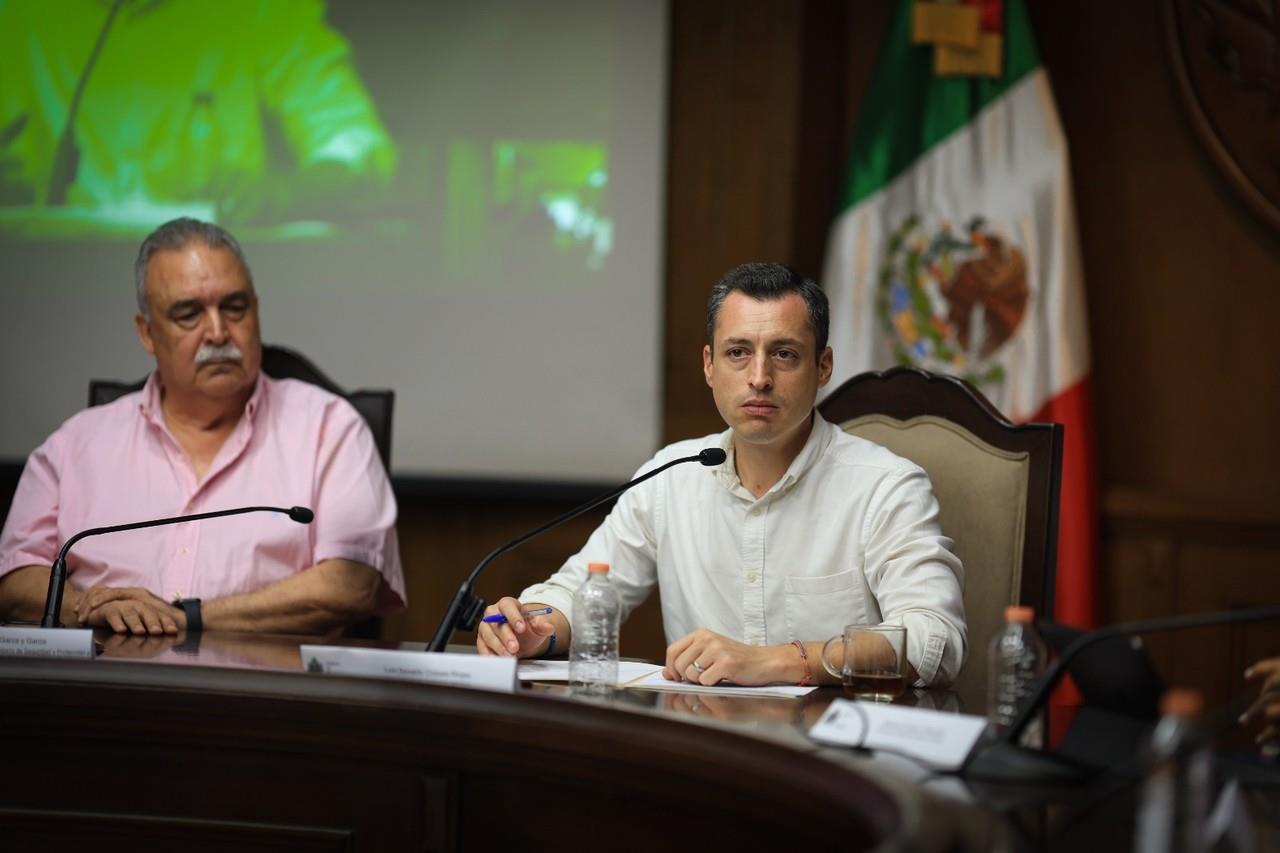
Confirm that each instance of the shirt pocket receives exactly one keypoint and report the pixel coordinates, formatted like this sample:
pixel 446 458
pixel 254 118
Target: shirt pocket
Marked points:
pixel 819 607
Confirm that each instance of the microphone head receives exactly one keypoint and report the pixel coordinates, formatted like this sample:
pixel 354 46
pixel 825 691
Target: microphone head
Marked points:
pixel 712 456
pixel 301 514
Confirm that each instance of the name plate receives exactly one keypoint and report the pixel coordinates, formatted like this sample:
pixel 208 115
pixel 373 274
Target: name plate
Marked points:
pixel 459 670
pixel 942 740
pixel 33 642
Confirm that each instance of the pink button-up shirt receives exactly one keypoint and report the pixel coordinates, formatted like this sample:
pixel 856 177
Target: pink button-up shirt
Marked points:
pixel 296 444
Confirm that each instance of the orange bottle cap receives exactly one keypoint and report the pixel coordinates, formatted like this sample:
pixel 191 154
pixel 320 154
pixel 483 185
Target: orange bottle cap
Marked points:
pixel 1019 613
pixel 1181 702
pixel 602 568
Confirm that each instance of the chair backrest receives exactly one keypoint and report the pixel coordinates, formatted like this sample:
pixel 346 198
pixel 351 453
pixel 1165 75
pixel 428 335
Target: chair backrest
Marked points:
pixel 282 363
pixel 996 484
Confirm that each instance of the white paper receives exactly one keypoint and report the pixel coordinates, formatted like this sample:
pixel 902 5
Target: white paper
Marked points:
pixel 940 739
pixel 460 670
pixel 558 670
pixel 655 681
pixel 36 642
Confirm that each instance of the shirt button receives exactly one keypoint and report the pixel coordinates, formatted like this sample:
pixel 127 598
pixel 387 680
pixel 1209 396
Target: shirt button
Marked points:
pixel 184 550
pixel 755 511
pixel 752 577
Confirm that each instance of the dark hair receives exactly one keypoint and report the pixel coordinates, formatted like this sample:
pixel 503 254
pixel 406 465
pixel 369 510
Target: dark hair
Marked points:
pixel 176 234
pixel 765 281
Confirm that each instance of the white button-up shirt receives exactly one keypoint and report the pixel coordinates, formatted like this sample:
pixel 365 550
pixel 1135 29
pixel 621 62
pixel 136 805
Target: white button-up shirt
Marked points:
pixel 849 535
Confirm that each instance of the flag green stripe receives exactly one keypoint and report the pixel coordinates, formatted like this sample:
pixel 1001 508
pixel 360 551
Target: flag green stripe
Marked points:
pixel 908 110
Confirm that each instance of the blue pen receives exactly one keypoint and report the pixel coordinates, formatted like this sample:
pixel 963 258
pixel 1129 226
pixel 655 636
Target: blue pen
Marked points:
pixel 499 619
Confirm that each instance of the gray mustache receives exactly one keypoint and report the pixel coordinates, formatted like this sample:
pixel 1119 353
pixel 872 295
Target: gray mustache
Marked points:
pixel 220 352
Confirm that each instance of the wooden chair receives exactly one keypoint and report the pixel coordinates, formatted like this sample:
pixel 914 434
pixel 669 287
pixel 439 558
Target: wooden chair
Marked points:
pixel 282 363
pixel 996 483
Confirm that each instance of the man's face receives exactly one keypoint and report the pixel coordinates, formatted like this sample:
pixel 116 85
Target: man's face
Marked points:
pixel 203 328
pixel 763 369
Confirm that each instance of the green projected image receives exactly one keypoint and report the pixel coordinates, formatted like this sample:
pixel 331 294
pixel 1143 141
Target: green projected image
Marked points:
pixel 507 193
pixel 380 122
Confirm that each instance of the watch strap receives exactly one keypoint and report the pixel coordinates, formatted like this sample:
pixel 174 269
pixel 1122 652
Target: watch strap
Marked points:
pixel 191 607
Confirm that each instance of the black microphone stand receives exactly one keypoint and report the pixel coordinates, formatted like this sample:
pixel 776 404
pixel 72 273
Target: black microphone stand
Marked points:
pixel 1058 668
pixel 58 574
pixel 1003 760
pixel 465 609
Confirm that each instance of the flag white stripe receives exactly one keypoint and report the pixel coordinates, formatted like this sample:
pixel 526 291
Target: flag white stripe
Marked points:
pixel 1010 166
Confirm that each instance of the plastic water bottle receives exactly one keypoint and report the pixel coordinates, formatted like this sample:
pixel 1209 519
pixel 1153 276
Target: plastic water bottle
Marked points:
pixel 1174 805
pixel 1016 660
pixel 593 651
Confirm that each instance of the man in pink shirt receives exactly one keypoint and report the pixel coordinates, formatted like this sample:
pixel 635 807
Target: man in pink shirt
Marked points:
pixel 208 431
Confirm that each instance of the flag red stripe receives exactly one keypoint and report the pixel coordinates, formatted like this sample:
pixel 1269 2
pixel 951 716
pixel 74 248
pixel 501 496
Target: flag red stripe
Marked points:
pixel 1075 592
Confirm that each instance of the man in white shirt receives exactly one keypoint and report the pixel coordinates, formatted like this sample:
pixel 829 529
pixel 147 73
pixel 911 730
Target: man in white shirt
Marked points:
pixel 804 528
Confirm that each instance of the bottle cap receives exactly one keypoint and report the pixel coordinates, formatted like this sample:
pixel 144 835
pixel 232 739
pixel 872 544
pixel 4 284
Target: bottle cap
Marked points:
pixel 601 568
pixel 1181 702
pixel 1018 613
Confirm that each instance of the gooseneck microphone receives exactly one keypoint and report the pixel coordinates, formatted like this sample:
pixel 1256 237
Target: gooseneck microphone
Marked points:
pixel 1058 668
pixel 464 611
pixel 58 574
pixel 1004 761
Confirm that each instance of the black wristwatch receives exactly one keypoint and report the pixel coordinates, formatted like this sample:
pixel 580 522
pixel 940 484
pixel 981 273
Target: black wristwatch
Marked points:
pixel 191 606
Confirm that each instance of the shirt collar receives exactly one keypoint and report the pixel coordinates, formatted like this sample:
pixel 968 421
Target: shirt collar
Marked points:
pixel 149 405
pixel 814 446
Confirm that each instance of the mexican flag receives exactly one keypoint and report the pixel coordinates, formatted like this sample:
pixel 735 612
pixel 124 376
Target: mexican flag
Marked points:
pixel 956 250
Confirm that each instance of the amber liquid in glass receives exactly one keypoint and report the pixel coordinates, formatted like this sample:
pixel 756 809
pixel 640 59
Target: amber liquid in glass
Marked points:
pixel 881 685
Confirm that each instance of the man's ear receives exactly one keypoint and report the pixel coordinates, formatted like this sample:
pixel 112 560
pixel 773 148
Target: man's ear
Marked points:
pixel 825 365
pixel 706 364
pixel 143 329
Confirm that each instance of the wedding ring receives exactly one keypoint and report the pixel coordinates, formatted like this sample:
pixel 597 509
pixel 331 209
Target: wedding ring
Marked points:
pixel 699 667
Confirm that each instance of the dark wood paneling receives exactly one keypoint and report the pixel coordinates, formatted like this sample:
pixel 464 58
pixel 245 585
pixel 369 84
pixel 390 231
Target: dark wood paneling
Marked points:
pixel 735 74
pixel 268 758
pixel 55 829
pixel 1167 556
pixel 1183 282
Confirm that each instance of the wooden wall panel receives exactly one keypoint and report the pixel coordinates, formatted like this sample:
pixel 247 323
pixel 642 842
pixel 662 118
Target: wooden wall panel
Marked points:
pixel 1183 281
pixel 730 196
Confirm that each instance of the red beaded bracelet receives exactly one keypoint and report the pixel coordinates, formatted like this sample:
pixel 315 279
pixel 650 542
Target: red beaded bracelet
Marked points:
pixel 804 659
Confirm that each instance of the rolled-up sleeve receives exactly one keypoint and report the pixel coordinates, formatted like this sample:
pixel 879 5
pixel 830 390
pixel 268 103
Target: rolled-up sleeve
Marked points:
pixel 916 579
pixel 355 507
pixel 30 536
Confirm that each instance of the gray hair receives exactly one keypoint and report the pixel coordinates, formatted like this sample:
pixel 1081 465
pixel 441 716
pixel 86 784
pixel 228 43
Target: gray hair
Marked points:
pixel 767 282
pixel 177 234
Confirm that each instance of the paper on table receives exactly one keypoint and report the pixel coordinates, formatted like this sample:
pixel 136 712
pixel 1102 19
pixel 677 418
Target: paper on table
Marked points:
pixel 941 739
pixel 558 670
pixel 655 681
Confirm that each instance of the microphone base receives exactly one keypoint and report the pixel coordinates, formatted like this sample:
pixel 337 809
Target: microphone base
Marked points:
pixel 464 612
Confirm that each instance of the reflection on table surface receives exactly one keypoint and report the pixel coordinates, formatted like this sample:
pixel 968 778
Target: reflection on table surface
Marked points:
pixel 280 652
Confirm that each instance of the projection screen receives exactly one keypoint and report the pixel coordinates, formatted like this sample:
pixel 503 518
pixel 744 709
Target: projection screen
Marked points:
pixel 461 201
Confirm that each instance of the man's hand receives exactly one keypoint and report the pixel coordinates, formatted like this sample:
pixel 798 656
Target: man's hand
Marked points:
pixel 520 636
pixel 128 610
pixel 722 659
pixel 1267 706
